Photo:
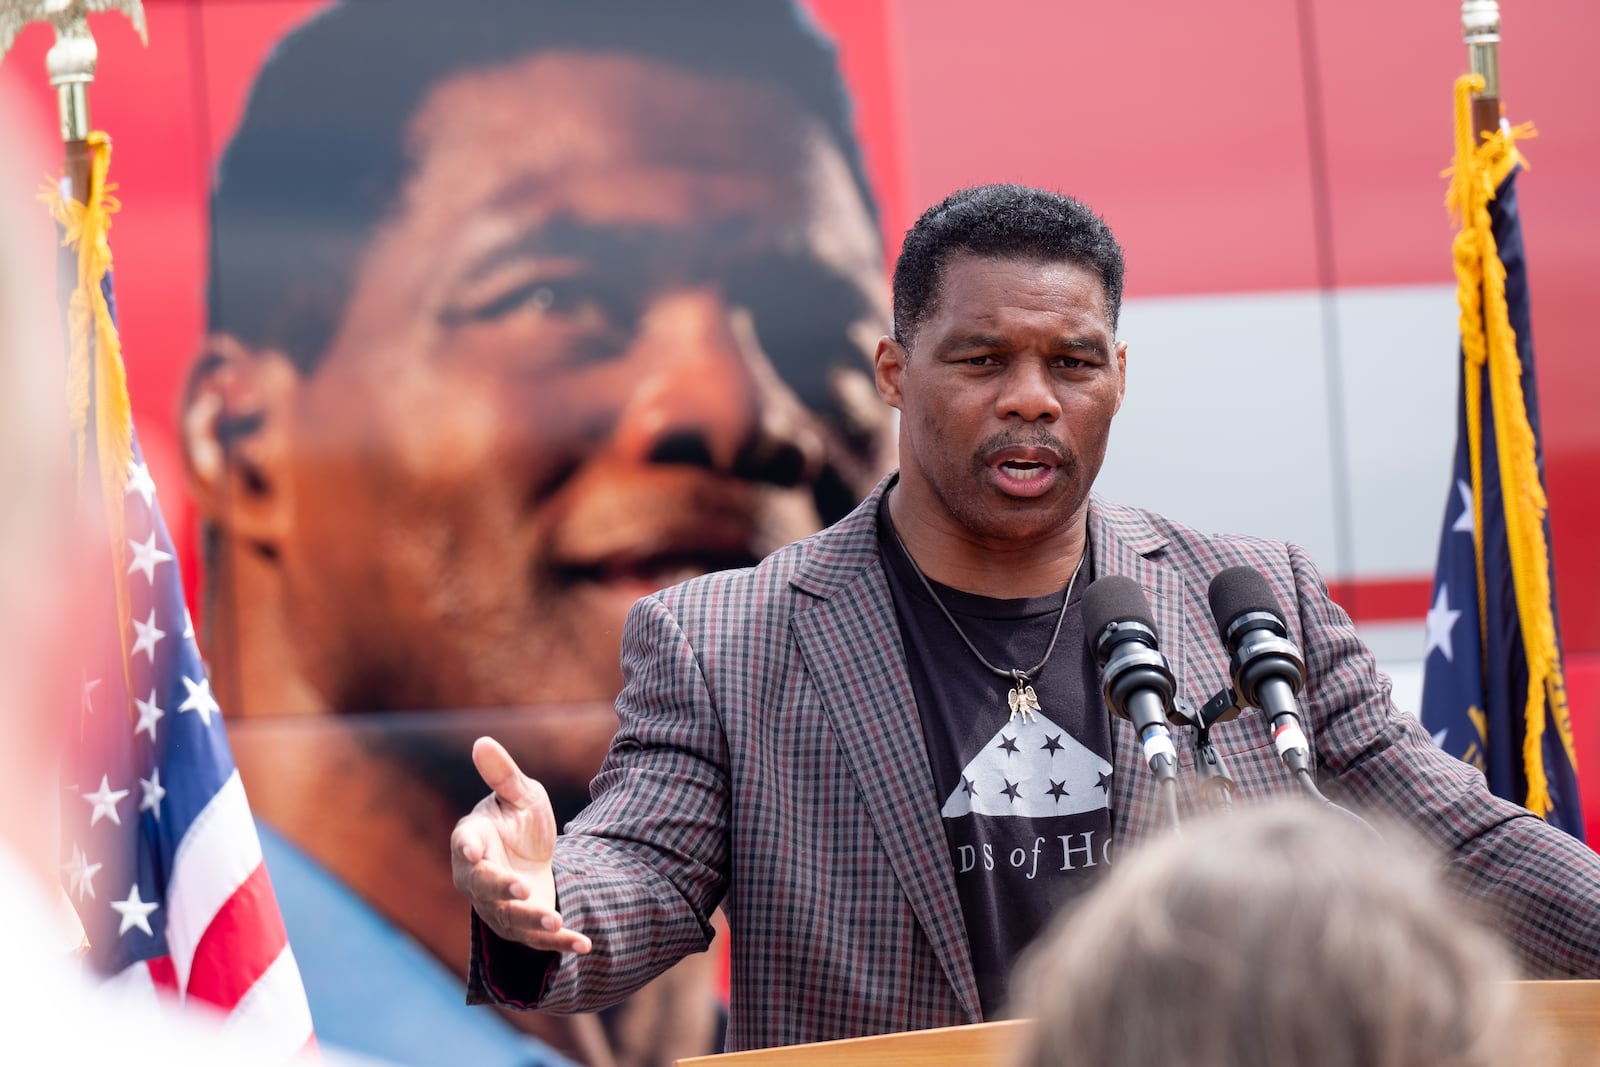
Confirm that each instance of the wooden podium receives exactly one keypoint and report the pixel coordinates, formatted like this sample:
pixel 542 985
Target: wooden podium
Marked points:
pixel 1569 1012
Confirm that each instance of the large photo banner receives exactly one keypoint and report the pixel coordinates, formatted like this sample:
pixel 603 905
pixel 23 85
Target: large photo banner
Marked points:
pixel 456 327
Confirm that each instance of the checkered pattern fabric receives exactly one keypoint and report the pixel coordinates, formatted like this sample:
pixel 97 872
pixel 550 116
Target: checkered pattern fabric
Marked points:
pixel 770 759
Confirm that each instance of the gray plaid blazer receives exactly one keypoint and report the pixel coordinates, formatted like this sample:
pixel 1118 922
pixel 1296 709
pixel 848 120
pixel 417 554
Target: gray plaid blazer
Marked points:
pixel 769 758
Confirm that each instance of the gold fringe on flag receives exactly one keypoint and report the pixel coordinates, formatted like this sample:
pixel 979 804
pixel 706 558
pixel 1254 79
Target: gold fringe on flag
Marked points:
pixel 1487 339
pixel 94 356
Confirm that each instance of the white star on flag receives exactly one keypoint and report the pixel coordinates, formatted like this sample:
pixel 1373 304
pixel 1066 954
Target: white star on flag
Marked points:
pixel 1463 523
pixel 149 714
pixel 80 873
pixel 153 793
pixel 193 868
pixel 146 555
pixel 139 481
pixel 146 636
pixel 199 698
pixel 1440 622
pixel 105 800
pixel 134 912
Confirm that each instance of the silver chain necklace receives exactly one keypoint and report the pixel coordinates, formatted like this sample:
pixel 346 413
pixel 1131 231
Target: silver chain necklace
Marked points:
pixel 1024 703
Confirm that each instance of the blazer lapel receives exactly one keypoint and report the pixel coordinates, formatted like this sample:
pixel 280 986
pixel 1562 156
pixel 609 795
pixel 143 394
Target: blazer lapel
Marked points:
pixel 851 643
pixel 1124 542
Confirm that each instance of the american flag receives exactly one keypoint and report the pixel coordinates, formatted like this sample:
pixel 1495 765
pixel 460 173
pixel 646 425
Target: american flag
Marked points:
pixel 164 865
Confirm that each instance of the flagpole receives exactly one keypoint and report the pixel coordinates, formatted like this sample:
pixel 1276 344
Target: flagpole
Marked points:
pixel 1480 28
pixel 70 63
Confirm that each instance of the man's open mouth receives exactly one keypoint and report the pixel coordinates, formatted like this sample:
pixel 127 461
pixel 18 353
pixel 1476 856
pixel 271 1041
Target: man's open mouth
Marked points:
pixel 1024 470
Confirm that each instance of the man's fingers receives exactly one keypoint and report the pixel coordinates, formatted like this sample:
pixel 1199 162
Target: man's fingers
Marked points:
pixel 501 773
pixel 469 842
pixel 531 925
pixel 491 884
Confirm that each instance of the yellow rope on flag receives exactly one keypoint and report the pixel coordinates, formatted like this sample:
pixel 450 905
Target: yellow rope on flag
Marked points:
pixel 94 355
pixel 1487 340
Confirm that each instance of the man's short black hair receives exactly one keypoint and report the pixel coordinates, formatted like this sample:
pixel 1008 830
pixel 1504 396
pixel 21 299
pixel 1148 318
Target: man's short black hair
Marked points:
pixel 1000 222
pixel 321 153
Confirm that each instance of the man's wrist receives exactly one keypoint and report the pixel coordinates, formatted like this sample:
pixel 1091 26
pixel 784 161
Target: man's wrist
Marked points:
pixel 508 972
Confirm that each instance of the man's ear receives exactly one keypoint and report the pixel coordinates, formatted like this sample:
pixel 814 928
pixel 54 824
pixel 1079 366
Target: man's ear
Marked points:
pixel 1122 374
pixel 888 365
pixel 236 438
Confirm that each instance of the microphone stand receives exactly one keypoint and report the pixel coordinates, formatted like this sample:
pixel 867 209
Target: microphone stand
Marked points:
pixel 1216 784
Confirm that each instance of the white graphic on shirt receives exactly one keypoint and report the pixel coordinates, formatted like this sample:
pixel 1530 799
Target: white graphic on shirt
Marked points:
pixel 1032 768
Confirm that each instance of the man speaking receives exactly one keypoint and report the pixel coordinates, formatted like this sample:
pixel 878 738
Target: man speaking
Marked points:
pixel 850 745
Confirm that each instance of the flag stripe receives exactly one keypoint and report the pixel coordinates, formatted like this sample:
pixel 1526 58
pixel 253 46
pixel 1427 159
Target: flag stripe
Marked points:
pixel 197 917
pixel 220 851
pixel 163 974
pixel 274 1010
pixel 243 940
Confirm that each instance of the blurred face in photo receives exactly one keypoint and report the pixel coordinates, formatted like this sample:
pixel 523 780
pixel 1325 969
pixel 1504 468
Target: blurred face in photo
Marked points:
pixel 615 332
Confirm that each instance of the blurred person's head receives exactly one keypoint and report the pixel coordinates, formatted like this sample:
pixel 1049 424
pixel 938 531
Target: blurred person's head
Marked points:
pixel 518 311
pixel 1283 934
pixel 37 576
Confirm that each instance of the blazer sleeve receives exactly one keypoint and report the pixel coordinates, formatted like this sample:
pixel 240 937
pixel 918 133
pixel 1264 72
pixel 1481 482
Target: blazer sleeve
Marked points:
pixel 643 867
pixel 1542 885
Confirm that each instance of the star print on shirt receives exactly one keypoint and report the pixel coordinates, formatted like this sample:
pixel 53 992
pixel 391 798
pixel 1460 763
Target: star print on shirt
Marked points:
pixel 1105 783
pixel 1009 775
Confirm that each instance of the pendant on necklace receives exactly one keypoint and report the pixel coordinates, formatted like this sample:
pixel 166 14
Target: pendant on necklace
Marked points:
pixel 1024 704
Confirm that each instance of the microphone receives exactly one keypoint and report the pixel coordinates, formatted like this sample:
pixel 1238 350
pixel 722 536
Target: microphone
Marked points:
pixel 1134 675
pixel 1267 669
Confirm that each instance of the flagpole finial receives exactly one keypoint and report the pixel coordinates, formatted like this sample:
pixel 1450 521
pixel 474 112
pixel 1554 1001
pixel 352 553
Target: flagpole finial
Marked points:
pixel 71 60
pixel 1480 29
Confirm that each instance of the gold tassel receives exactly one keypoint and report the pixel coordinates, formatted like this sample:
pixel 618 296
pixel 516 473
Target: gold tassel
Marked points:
pixel 1487 339
pixel 94 359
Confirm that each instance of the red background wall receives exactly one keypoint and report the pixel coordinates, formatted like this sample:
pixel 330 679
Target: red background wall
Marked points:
pixel 1221 139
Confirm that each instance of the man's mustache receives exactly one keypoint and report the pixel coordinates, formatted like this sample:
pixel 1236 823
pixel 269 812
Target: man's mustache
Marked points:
pixel 1041 440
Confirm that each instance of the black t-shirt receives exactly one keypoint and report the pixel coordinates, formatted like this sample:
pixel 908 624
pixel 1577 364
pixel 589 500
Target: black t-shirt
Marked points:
pixel 1026 800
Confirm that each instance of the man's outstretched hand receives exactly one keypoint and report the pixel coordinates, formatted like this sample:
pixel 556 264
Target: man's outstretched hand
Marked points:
pixel 500 856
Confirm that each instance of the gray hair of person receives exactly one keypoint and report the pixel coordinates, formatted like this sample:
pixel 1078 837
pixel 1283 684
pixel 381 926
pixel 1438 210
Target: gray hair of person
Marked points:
pixel 1282 934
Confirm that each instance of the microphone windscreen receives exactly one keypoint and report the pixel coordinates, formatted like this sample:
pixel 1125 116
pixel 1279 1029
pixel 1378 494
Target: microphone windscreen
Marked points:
pixel 1114 598
pixel 1238 590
